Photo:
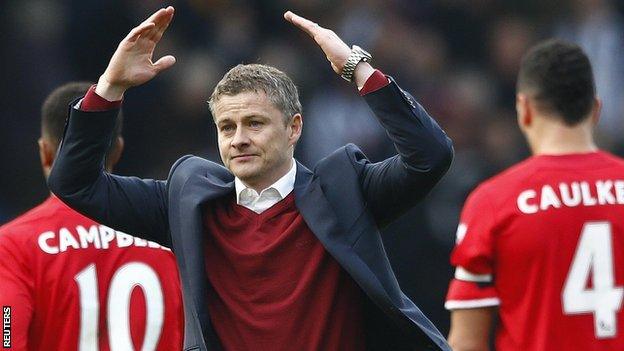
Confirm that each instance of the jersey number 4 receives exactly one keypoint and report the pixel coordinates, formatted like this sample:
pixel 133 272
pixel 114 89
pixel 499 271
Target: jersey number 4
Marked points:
pixel 125 279
pixel 594 255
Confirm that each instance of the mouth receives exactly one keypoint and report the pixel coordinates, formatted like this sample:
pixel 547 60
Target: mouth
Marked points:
pixel 244 157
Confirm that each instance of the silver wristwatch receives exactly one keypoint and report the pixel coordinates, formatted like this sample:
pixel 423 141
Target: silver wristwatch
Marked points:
pixel 357 54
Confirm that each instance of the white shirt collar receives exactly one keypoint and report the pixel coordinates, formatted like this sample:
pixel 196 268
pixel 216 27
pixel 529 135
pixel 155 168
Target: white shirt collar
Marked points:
pixel 284 185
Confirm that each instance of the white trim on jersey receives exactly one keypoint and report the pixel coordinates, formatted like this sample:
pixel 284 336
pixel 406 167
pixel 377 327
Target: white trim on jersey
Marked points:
pixel 465 304
pixel 462 274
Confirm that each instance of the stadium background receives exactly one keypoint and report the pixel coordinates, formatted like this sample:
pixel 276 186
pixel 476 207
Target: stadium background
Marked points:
pixel 458 57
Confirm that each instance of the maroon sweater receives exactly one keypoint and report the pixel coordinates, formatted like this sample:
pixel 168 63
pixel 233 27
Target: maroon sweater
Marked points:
pixel 275 287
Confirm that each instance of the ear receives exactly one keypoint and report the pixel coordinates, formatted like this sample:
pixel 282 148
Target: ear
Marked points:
pixel 295 127
pixel 596 109
pixel 114 154
pixel 47 152
pixel 524 111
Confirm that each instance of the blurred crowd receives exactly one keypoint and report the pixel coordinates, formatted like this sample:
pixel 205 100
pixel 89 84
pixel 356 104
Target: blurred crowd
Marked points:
pixel 459 58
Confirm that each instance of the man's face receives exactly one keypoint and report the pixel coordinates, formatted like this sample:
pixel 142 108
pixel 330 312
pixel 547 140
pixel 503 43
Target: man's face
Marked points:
pixel 255 143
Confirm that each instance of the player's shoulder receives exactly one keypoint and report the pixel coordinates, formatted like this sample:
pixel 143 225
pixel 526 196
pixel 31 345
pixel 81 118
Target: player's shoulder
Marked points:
pixel 611 159
pixel 507 180
pixel 48 212
pixel 26 219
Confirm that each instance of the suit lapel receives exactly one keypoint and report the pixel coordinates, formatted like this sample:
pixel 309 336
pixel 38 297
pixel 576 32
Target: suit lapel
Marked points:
pixel 196 193
pixel 320 217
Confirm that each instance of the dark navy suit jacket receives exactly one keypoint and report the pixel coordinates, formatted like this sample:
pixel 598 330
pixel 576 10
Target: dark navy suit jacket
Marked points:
pixel 345 201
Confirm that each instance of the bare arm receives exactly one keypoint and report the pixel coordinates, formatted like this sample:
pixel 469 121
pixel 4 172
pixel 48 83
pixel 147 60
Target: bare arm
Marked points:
pixel 470 329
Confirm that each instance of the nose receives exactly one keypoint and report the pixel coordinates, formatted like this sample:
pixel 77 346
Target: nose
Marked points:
pixel 240 139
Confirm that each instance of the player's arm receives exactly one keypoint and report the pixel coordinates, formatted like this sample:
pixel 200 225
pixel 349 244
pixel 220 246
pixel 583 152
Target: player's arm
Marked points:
pixel 15 295
pixel 424 151
pixel 126 203
pixel 473 302
pixel 470 329
pixel 472 296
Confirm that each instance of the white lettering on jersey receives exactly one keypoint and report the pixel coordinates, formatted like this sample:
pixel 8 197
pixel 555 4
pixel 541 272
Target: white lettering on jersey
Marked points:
pixel 549 198
pixel 140 242
pixel 124 240
pixel 619 191
pixel 523 201
pixel 602 192
pixel 66 239
pixel 89 236
pixel 96 236
pixel 588 199
pixel 106 235
pixel 567 199
pixel 43 243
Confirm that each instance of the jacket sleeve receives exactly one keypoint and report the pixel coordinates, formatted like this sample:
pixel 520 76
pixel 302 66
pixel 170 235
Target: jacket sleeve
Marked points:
pixel 394 185
pixel 132 205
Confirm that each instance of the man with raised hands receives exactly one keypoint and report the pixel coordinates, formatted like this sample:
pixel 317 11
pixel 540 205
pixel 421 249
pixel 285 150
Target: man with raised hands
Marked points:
pixel 272 256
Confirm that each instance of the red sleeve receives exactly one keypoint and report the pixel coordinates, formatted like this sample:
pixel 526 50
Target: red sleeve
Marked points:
pixel 375 82
pixel 475 238
pixel 16 292
pixel 473 285
pixel 94 102
pixel 462 294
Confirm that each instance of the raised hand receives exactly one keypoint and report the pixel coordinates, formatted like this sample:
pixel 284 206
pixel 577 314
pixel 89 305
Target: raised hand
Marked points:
pixel 334 48
pixel 132 64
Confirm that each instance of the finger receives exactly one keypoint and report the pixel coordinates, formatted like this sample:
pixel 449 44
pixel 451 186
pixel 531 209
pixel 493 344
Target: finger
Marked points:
pixel 162 23
pixel 164 62
pixel 138 30
pixel 304 24
pixel 154 17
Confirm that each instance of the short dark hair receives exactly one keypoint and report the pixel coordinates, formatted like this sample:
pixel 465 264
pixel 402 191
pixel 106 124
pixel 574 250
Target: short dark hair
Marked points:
pixel 558 74
pixel 56 107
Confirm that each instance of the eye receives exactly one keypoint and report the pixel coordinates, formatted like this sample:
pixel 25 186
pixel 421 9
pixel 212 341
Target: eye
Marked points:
pixel 226 128
pixel 255 124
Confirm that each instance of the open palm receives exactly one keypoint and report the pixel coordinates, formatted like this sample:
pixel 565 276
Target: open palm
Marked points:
pixel 132 64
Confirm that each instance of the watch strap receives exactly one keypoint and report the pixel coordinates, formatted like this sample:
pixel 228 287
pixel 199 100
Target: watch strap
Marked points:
pixel 356 56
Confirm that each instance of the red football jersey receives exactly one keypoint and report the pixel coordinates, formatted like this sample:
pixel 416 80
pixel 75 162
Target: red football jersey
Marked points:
pixel 544 240
pixel 68 283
